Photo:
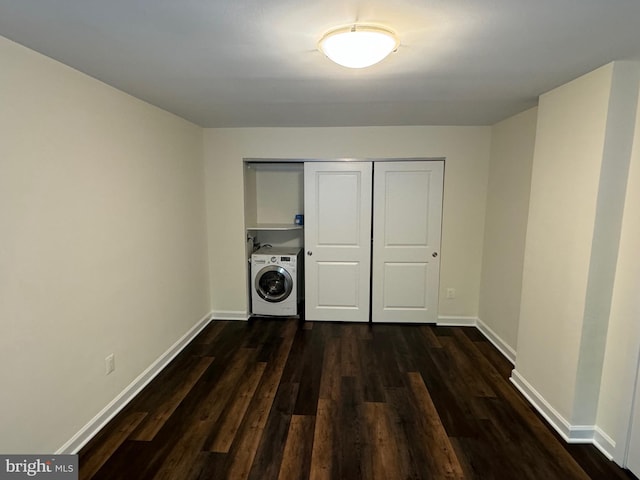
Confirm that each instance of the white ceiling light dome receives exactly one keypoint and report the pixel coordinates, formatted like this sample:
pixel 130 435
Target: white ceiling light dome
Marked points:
pixel 358 46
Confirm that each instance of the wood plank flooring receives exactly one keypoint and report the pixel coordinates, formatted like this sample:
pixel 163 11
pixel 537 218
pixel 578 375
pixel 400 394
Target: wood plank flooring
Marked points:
pixel 285 399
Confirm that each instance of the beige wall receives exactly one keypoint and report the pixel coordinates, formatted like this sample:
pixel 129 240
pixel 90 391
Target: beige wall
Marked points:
pixel 579 173
pixel 466 172
pixel 566 171
pixel 623 339
pixel 512 142
pixel 106 231
pixel 102 247
pixel 616 156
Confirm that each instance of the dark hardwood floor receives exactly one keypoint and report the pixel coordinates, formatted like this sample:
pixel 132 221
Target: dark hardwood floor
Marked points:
pixel 284 399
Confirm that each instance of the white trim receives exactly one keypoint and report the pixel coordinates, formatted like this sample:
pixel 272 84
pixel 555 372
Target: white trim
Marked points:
pixel 87 432
pixel 455 321
pixel 570 433
pixel 604 443
pixel 230 315
pixel 591 434
pixel 503 347
pixel 340 159
pixel 632 387
pixel 581 434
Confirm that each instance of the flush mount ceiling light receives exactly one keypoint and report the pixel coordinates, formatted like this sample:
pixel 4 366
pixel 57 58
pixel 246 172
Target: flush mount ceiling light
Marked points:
pixel 358 46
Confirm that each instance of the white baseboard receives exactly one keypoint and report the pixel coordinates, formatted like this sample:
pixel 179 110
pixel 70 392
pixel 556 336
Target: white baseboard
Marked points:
pixel 230 315
pixel 507 351
pixel 87 432
pixel 590 434
pixel 604 443
pixel 455 321
pixel 570 433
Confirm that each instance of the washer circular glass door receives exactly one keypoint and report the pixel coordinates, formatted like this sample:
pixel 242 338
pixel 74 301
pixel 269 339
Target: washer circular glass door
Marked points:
pixel 273 284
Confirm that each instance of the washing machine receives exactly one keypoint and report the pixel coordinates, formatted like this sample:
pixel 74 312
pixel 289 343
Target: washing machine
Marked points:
pixel 276 281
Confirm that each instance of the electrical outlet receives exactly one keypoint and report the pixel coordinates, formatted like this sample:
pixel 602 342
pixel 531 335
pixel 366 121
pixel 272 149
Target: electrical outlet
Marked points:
pixel 110 363
pixel 451 293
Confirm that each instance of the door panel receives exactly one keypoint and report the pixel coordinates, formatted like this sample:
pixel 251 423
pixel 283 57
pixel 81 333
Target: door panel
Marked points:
pixel 338 284
pixel 337 197
pixel 406 241
pixel 338 206
pixel 406 285
pixel 406 194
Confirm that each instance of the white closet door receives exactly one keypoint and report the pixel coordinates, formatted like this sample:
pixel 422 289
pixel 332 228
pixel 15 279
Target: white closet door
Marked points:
pixel 406 241
pixel 337 237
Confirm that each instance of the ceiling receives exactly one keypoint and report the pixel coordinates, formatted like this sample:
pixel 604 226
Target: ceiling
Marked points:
pixel 241 63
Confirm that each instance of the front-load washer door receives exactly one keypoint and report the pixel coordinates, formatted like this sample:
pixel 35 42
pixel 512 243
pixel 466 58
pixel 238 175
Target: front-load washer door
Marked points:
pixel 273 284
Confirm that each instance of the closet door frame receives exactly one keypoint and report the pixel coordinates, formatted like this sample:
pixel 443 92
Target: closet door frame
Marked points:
pixel 345 160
